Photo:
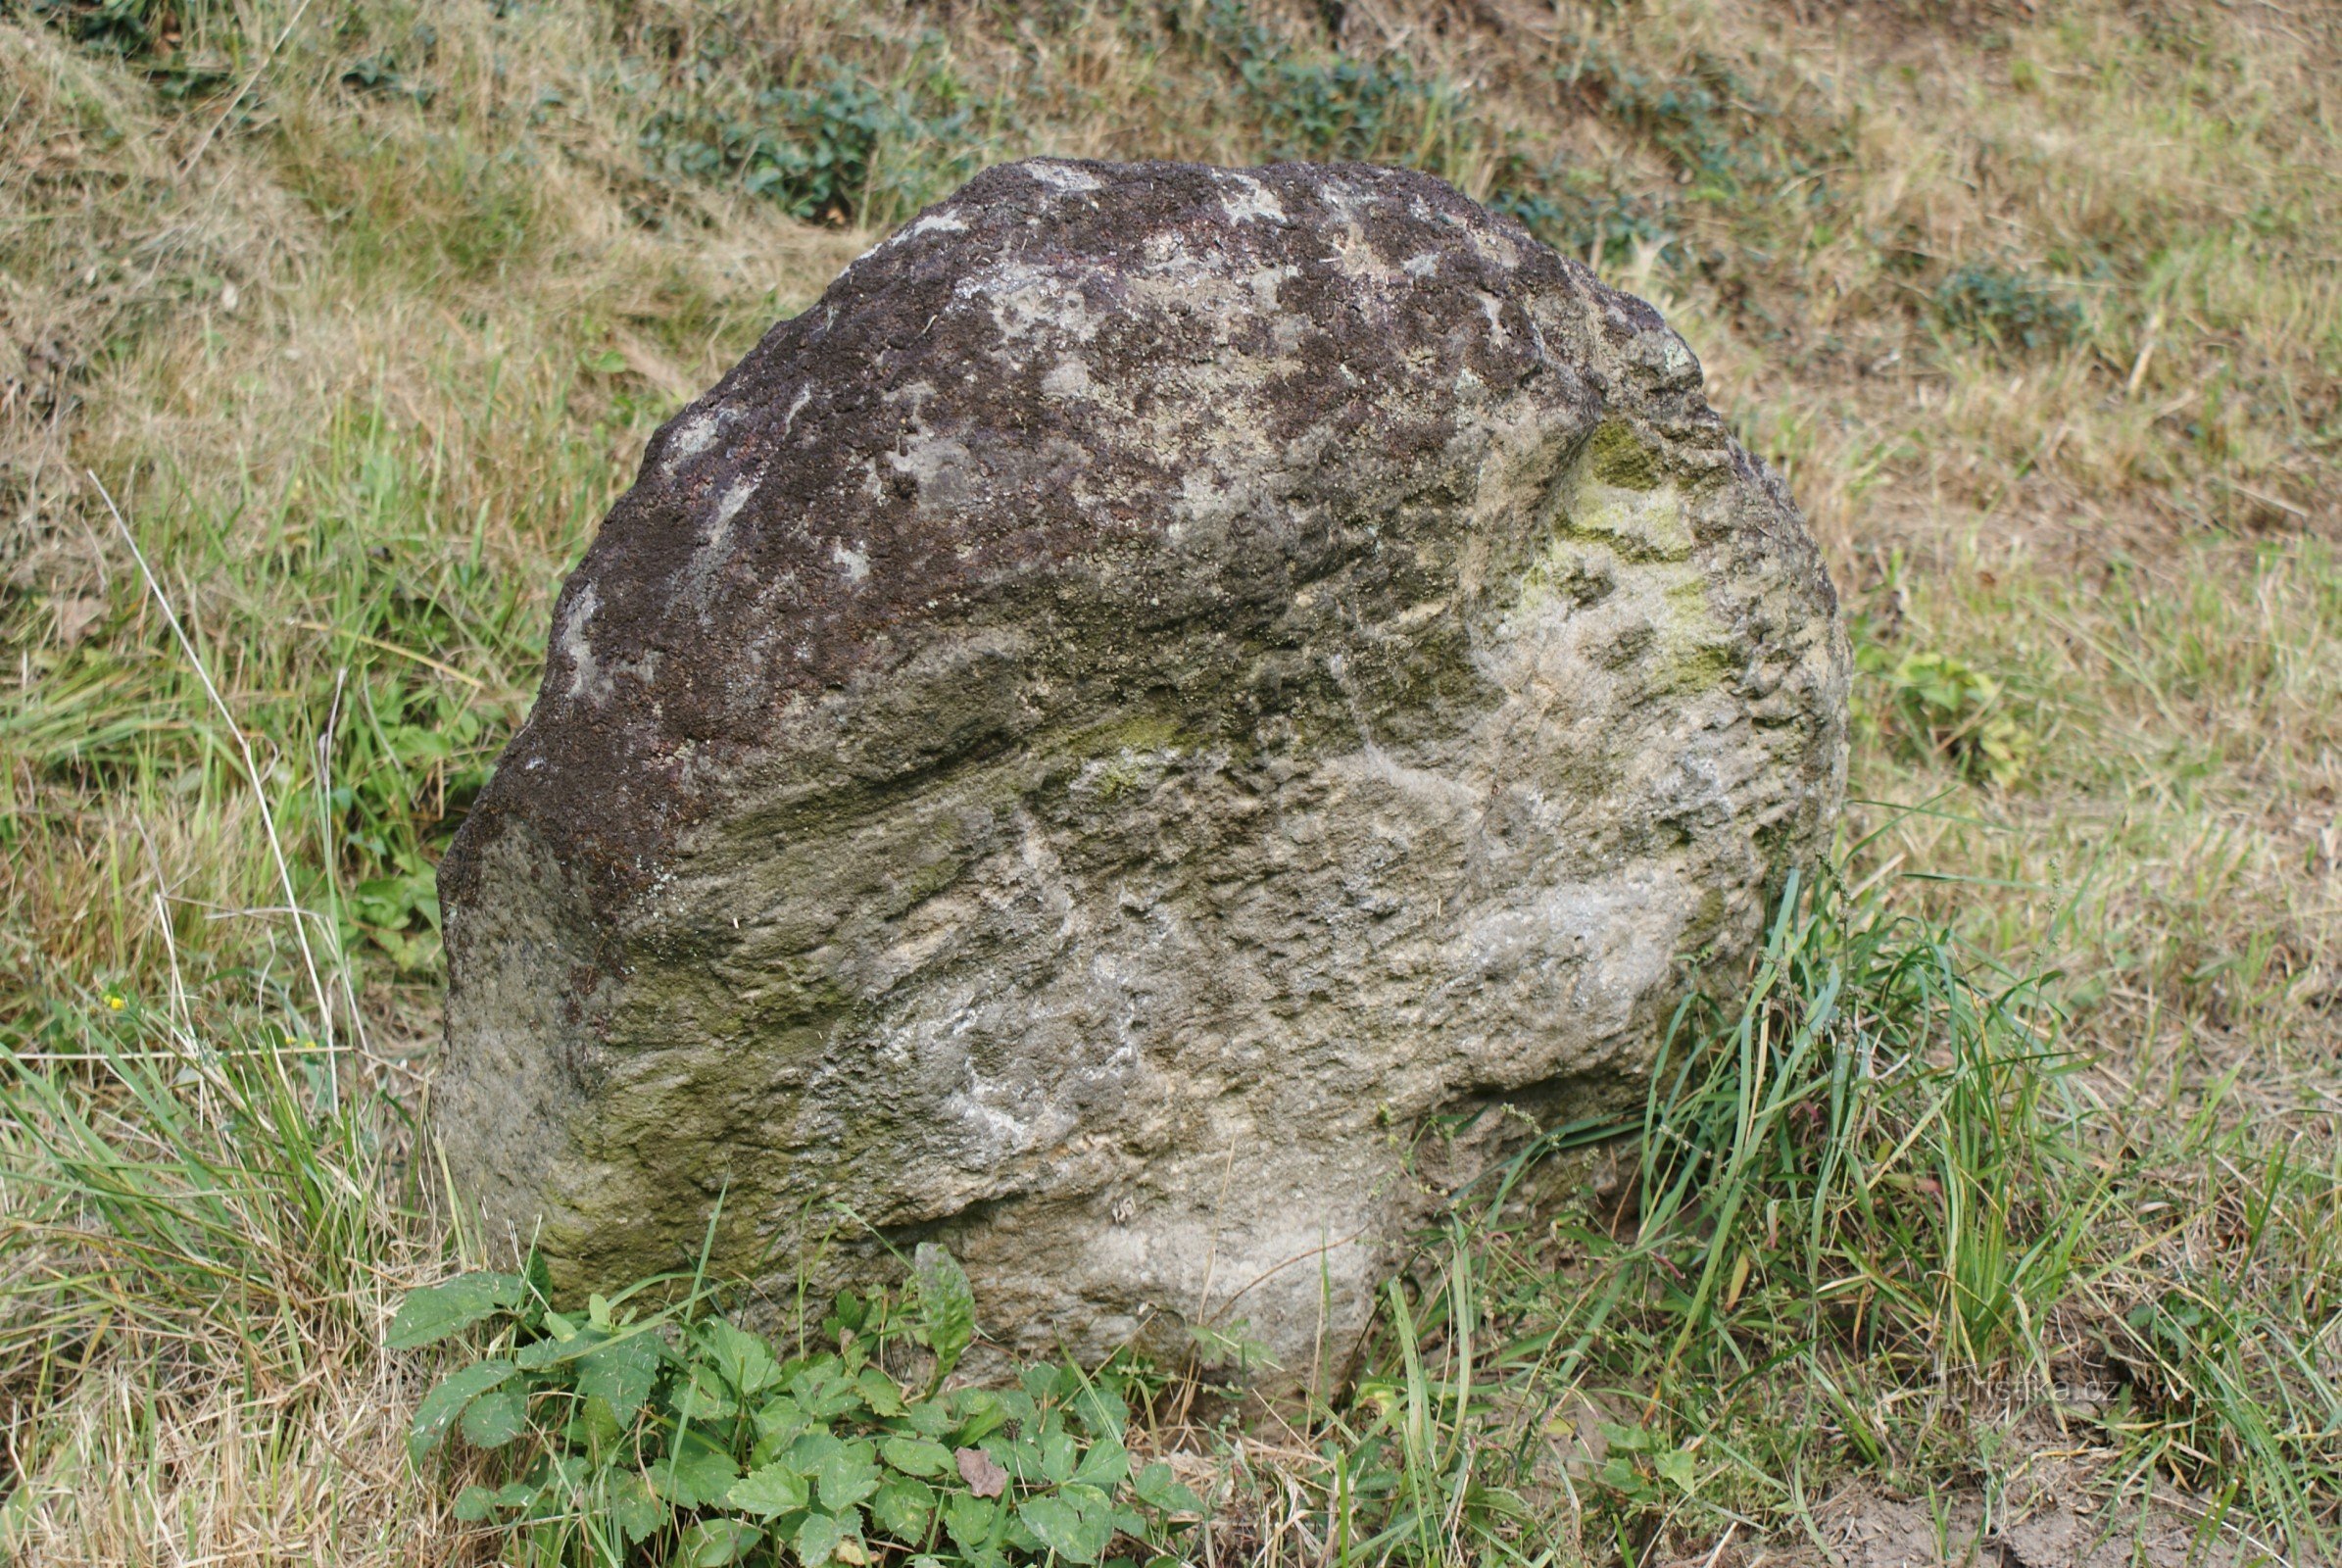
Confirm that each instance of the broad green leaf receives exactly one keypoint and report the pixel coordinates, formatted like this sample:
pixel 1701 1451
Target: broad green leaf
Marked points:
pixel 695 1475
pixel 444 1405
pixel 599 1422
pixel 903 1508
pixel 537 1275
pixel 707 1395
pixel 931 1418
pixel 980 1413
pixel 744 1360
pixel 915 1456
pixel 547 1353
pixel 495 1419
pixel 846 1478
pixel 811 1451
pixel 1158 1488
pixel 635 1510
pixel 817 1538
pixel 1101 1411
pixel 474 1504
pixel 1106 1466
pixel 781 1420
pixel 434 1311
pixel 1058 1456
pixel 622 1371
pixel 714 1543
pixel 946 1306
pixel 1064 1529
pixel 774 1490
pixel 879 1392
pixel 825 1394
pixel 971 1521
pixel 1676 1465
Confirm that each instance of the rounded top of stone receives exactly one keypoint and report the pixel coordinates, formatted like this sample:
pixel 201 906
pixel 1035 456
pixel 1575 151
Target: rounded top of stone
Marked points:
pixel 1083 408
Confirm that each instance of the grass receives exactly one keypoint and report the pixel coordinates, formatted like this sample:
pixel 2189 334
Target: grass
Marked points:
pixel 2014 1188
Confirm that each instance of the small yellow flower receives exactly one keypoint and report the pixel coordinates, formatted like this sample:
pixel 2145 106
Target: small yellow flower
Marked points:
pixel 114 1003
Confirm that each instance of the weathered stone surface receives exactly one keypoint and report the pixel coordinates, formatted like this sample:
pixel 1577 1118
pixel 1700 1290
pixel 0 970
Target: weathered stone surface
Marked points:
pixel 1163 681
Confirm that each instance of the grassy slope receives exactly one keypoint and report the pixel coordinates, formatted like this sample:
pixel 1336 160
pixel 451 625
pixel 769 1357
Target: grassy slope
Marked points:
pixel 363 316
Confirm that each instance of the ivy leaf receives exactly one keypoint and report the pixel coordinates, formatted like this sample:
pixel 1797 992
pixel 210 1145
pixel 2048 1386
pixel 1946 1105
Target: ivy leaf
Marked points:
pixel 432 1312
pixel 496 1419
pixel 622 1371
pixel 714 1543
pixel 946 1308
pixel 903 1508
pixel 445 1403
pixel 915 1456
pixel 774 1490
pixel 1158 1488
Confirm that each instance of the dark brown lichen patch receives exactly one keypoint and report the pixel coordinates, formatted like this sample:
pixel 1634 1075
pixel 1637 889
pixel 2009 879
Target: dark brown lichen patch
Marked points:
pixel 1000 417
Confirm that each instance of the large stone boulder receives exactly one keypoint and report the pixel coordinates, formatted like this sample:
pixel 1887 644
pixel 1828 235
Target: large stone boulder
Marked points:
pixel 1164 683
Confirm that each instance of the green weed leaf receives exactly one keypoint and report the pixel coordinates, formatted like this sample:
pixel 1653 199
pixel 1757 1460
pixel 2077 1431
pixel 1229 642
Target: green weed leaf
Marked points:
pixel 946 1308
pixel 1064 1529
pixel 971 1521
pixel 739 1357
pixel 772 1491
pixel 903 1508
pixel 636 1509
pixel 622 1371
pixel 446 1404
pixel 1106 1466
pixel 917 1456
pixel 495 1419
pixel 695 1475
pixel 847 1477
pixel 433 1312
pixel 817 1538
pixel 714 1543
pixel 1158 1488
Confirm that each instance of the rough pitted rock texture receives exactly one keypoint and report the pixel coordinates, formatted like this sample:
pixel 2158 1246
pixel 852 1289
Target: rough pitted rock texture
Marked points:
pixel 1086 740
